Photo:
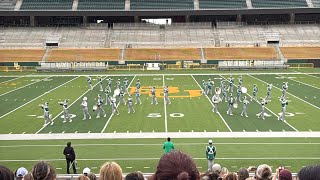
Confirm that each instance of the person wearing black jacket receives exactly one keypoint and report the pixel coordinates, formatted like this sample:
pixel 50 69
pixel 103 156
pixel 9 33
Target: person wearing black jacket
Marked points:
pixel 70 157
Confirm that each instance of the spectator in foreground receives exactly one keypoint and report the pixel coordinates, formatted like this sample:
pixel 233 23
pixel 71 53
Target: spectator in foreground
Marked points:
pixel 224 172
pixel 216 168
pixel 83 177
pixel 137 175
pixel 264 172
pixel 28 177
pixel 43 171
pixel 86 171
pixel 168 146
pixel 243 174
pixel 20 173
pixel 110 171
pixel 209 176
pixel 282 174
pixel 231 176
pixel 309 173
pixel 92 176
pixel 6 173
pixel 176 165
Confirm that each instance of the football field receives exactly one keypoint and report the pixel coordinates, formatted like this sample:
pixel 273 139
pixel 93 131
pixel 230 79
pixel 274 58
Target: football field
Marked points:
pixel 189 112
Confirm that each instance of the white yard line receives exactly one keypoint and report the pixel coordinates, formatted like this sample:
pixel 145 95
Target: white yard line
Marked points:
pixel 287 92
pixel 144 144
pixel 312 75
pixel 138 135
pixel 69 107
pixel 157 158
pixel 108 121
pixel 37 98
pixel 20 87
pixel 304 83
pixel 268 110
pixel 165 109
pixel 213 105
pixel 12 79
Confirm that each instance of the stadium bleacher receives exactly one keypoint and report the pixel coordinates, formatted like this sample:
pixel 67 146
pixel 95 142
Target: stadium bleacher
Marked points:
pixel 301 52
pixel 21 55
pixel 101 5
pixel 161 4
pixel 241 53
pixel 278 4
pixel 33 5
pixel 163 54
pixel 63 55
pixel 222 4
pixel 7 5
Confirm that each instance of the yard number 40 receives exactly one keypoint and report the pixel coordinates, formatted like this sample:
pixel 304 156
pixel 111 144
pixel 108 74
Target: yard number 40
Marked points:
pixel 157 115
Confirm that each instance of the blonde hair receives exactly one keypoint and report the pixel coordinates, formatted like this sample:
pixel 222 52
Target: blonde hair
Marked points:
pixel 83 177
pixel 110 171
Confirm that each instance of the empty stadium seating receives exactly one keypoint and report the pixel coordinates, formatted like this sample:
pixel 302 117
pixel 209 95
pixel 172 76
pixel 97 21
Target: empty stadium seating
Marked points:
pixel 316 3
pixel 241 53
pixel 63 55
pixel 46 5
pixel 278 4
pixel 21 55
pixel 7 5
pixel 301 52
pixel 101 4
pixel 163 54
pixel 221 4
pixel 161 4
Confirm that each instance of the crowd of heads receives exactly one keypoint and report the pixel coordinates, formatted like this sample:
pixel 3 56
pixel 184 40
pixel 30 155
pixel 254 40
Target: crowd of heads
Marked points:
pixel 175 165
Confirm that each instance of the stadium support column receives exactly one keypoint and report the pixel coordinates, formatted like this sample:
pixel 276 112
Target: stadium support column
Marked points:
pixel 292 18
pixel 85 20
pixel 187 18
pixel 136 19
pixel 32 21
pixel 239 17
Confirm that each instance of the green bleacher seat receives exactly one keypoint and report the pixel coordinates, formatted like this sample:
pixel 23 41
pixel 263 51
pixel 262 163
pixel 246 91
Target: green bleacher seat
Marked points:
pixel 316 3
pixel 101 4
pixel 46 5
pixel 278 4
pixel 161 4
pixel 222 4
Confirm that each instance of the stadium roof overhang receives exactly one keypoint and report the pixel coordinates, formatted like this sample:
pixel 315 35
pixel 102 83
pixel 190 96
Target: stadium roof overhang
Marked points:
pixel 163 12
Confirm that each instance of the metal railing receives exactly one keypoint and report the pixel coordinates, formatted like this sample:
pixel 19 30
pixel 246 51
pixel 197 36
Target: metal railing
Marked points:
pixel 301 65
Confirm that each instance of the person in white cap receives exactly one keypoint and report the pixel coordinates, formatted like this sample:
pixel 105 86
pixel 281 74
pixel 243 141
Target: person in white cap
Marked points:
pixel 86 171
pixel 210 153
pixel 21 172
